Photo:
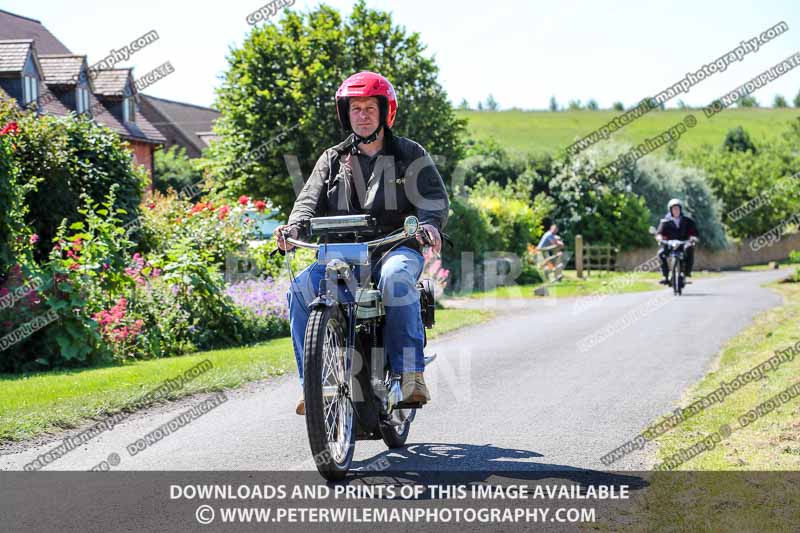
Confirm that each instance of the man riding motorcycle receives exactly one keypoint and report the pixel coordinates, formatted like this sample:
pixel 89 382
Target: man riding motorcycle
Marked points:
pixel 388 177
pixel 676 226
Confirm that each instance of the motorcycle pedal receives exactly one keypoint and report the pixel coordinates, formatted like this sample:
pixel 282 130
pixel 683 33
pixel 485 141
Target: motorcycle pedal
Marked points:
pixel 429 359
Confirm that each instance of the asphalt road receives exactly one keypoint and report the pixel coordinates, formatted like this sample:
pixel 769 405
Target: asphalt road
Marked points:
pixel 522 392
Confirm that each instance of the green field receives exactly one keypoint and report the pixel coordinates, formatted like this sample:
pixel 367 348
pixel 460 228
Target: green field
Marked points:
pixel 536 132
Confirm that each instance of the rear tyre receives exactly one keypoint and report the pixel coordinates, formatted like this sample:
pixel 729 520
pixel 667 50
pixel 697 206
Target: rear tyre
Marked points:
pixel 328 382
pixel 396 436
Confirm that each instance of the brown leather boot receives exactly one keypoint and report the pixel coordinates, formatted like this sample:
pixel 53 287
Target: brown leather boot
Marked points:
pixel 414 388
pixel 301 406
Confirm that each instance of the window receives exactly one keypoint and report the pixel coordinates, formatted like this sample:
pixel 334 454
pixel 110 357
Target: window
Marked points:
pixel 129 109
pixel 82 100
pixel 30 89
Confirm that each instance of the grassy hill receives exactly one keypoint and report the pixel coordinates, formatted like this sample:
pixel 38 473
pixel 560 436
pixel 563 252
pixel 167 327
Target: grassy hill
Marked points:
pixel 546 132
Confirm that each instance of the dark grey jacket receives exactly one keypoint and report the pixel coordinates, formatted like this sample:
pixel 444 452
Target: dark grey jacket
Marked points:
pixel 404 182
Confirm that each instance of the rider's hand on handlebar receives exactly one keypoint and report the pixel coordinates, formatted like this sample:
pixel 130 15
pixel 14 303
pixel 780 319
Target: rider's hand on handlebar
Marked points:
pixel 290 230
pixel 429 235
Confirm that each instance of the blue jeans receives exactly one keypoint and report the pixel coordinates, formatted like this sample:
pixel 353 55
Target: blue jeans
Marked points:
pixel 396 277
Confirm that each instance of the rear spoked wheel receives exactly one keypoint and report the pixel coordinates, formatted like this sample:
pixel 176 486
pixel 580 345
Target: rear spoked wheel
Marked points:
pixel 328 385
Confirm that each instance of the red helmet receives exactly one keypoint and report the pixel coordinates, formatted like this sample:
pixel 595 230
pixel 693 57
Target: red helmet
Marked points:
pixel 366 84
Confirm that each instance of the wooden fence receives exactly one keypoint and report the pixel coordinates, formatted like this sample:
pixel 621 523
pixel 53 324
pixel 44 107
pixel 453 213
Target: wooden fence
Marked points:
pixel 597 257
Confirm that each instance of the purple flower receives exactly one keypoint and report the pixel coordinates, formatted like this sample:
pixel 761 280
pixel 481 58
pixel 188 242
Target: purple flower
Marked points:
pixel 263 297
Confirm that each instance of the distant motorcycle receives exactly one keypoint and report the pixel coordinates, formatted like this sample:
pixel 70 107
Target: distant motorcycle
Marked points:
pixel 350 391
pixel 677 257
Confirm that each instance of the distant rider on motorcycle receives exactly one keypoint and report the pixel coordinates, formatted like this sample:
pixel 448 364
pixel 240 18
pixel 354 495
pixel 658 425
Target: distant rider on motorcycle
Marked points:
pixel 388 177
pixel 676 226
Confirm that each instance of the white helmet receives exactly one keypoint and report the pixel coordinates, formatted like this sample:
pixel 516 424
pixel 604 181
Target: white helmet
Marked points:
pixel 674 202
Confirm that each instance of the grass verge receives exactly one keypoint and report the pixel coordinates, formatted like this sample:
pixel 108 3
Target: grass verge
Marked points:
pixel 35 404
pixel 597 284
pixel 707 492
pixel 773 441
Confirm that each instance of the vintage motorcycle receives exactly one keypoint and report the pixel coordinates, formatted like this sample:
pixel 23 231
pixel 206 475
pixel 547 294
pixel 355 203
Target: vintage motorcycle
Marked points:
pixel 676 250
pixel 350 391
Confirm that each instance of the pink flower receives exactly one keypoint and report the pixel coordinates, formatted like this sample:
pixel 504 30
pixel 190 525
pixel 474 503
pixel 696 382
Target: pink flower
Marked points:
pixel 244 200
pixel 106 266
pixel 261 205
pixel 34 239
pixel 223 212
pixel 74 266
pixel 3 292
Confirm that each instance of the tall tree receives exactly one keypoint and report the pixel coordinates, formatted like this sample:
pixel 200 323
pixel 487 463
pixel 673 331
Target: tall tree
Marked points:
pixel 779 101
pixel 553 104
pixel 491 103
pixel 277 97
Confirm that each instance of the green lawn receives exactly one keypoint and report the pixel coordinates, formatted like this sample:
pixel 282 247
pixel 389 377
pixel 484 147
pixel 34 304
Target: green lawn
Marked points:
pixel 45 402
pixel 596 284
pixel 537 132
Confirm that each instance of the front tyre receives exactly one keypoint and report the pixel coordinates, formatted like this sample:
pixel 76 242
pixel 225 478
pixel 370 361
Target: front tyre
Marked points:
pixel 676 277
pixel 328 384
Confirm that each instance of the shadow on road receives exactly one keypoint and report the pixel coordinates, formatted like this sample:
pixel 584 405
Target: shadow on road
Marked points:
pixel 442 464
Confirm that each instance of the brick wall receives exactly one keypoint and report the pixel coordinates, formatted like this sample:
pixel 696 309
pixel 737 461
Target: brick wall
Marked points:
pixel 143 155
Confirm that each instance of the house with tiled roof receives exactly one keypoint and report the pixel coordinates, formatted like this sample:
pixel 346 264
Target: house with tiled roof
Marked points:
pixel 39 72
pixel 187 125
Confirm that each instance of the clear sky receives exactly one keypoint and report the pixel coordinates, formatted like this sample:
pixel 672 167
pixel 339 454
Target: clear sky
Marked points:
pixel 521 51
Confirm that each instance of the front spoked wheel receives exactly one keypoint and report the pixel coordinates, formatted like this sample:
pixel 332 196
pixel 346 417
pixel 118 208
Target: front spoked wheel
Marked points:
pixel 676 277
pixel 328 385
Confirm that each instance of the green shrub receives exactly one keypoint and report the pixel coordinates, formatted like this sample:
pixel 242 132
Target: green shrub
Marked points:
pixel 763 178
pixel 174 170
pixel 659 180
pixel 589 203
pixel 15 237
pixel 738 140
pixel 66 157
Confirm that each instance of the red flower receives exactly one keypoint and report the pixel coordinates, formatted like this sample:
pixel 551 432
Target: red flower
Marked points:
pixel 77 243
pixel 3 291
pixel 261 205
pixel 74 266
pixel 11 127
pixel 151 206
pixel 223 212
pixel 72 255
pixel 244 200
pixel 34 239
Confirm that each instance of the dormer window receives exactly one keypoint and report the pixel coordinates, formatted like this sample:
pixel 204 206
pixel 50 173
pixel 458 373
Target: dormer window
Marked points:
pixel 30 89
pixel 82 100
pixel 129 109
